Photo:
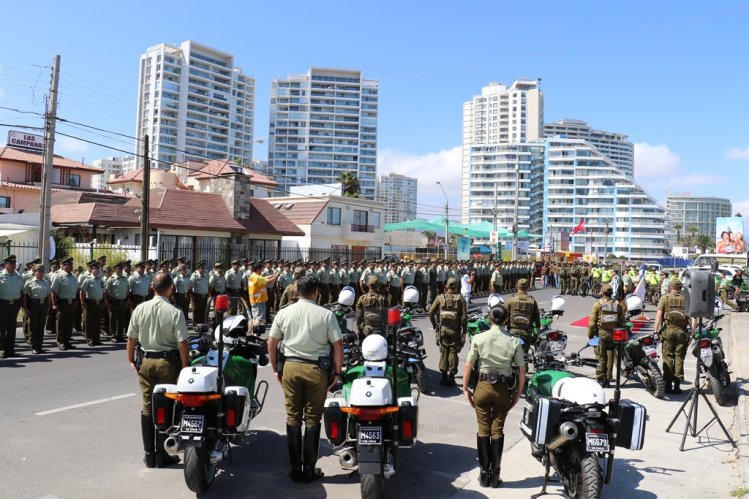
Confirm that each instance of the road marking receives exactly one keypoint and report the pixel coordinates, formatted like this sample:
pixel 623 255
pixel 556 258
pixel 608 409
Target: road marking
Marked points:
pixel 84 404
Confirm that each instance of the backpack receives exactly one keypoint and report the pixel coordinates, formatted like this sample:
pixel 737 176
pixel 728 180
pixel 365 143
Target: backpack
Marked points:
pixel 449 311
pixel 521 314
pixel 609 316
pixel 675 313
pixel 372 305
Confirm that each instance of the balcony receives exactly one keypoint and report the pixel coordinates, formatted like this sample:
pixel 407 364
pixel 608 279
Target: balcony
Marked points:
pixel 362 228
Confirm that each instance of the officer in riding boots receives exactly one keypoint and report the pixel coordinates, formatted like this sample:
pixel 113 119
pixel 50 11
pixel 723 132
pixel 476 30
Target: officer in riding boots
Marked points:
pixel 11 289
pixel 161 329
pixel 449 319
pixel 607 314
pixel 493 352
pixel 308 331
pixel 36 304
pixel 64 303
pixel 371 309
pixel 91 296
pixel 672 311
pixel 523 314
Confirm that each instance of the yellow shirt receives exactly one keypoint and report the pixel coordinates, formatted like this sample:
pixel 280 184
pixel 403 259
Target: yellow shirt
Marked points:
pixel 257 289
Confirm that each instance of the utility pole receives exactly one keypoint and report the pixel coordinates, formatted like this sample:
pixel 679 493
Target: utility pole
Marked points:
pixel 49 154
pixel 447 209
pixel 515 227
pixel 144 229
pixel 606 241
pixel 494 220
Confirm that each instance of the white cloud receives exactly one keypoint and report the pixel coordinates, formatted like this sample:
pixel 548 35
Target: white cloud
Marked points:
pixel 443 166
pixel 741 207
pixel 69 147
pixel 738 153
pixel 655 161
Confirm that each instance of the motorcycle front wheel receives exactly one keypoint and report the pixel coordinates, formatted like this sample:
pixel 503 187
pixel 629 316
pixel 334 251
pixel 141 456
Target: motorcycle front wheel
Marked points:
pixel 372 486
pixel 652 378
pixel 199 472
pixel 583 479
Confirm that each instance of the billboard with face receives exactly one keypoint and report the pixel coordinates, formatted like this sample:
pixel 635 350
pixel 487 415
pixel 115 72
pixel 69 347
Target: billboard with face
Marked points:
pixel 729 235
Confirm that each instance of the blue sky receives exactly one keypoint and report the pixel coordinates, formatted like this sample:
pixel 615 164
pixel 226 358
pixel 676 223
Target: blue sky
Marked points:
pixel 670 74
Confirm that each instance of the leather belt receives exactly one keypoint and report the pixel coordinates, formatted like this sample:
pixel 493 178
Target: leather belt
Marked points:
pixel 301 360
pixel 156 355
pixel 10 302
pixel 38 300
pixel 95 302
pixel 501 379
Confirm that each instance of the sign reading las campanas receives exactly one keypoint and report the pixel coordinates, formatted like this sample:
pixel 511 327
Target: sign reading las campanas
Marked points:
pixel 27 140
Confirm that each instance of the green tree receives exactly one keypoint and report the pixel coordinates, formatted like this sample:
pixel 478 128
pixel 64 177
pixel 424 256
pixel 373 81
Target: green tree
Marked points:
pixel 703 241
pixel 350 183
pixel 431 237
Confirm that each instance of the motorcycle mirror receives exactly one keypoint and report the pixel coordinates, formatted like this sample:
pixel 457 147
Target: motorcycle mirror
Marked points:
pixel 594 342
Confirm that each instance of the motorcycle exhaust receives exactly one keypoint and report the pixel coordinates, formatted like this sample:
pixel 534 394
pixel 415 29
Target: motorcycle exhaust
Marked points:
pixel 171 446
pixel 348 458
pixel 218 454
pixel 567 433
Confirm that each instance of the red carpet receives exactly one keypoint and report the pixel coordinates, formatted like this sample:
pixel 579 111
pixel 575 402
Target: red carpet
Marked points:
pixel 636 324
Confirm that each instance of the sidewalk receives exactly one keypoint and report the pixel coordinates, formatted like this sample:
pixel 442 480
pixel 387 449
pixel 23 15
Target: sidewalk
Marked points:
pixel 739 346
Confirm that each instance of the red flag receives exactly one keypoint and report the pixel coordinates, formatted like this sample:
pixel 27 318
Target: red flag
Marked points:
pixel 579 227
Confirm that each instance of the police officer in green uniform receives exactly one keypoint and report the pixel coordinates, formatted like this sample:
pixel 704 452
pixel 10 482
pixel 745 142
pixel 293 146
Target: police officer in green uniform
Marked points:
pixel 64 303
pixel 450 322
pixel 307 332
pixel 36 304
pixel 217 280
pixel 607 314
pixel 324 275
pixel 523 314
pixel 290 293
pixel 394 286
pixel 233 286
pixel 182 291
pixel 161 330
pixel 117 292
pixel 672 311
pixel 199 293
pixel 91 295
pixel 139 285
pixel 493 353
pixel 370 309
pixel 26 276
pixel 11 289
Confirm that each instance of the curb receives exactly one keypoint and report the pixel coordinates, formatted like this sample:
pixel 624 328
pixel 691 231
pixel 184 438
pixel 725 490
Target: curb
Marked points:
pixel 742 450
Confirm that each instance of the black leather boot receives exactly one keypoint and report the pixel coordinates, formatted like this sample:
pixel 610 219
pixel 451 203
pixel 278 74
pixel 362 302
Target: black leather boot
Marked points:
pixel 483 446
pixel 497 446
pixel 669 386
pixel 148 432
pixel 163 459
pixel 311 445
pixel 677 388
pixel 294 441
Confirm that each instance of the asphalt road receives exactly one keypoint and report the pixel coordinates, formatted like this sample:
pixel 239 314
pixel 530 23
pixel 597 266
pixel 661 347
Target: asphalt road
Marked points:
pixel 71 430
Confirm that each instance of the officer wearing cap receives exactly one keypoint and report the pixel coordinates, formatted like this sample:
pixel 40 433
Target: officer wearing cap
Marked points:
pixel 370 309
pixel 672 312
pixel 493 353
pixel 607 314
pixel 139 285
pixel 11 288
pixel 64 303
pixel 91 295
pixel 290 293
pixel 233 278
pixel 36 304
pixel 308 332
pixel 450 322
pixel 523 314
pixel 161 330
pixel 116 300
pixel 217 280
pixel 181 294
pixel 199 291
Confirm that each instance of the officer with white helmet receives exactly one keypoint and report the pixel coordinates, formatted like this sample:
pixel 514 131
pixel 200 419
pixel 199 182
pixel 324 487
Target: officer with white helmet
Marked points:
pixel 410 297
pixel 347 296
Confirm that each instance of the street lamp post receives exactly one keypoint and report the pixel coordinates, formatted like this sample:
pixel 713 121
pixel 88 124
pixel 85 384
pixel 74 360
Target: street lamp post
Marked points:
pixel 447 206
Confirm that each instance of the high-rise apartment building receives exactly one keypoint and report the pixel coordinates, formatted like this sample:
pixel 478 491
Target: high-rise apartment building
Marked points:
pixel 111 166
pixel 500 115
pixel 194 104
pixel 398 192
pixel 615 146
pixel 687 211
pixel 324 123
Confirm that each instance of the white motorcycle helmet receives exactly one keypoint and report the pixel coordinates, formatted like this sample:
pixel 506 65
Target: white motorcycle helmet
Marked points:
pixel 579 391
pixel 557 305
pixel 346 296
pixel 411 295
pixel 718 311
pixel 634 304
pixel 374 347
pixel 494 299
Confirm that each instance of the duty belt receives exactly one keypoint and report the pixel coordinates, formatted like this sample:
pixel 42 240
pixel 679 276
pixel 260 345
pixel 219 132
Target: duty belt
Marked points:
pixel 157 355
pixel 38 300
pixel 301 360
pixel 501 378
pixel 95 302
pixel 10 302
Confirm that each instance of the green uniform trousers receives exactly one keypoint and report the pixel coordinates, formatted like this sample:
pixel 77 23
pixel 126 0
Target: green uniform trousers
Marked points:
pixel 65 318
pixel 492 403
pixel 92 321
pixel 674 350
pixel 450 346
pixel 524 335
pixel 394 296
pixel 305 387
pixel 154 372
pixel 574 284
pixel 199 304
pixel 182 302
pixel 8 318
pixel 723 294
pixel 564 285
pixel 37 317
pixel 605 354
pixel 118 318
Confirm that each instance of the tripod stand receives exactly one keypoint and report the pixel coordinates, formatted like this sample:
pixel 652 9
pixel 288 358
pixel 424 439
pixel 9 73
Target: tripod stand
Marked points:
pixel 694 396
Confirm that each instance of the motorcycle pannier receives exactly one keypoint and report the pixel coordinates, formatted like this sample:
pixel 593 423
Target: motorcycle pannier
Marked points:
pixel 408 420
pixel 234 410
pixel 335 424
pixel 631 433
pixel 162 408
pixel 540 415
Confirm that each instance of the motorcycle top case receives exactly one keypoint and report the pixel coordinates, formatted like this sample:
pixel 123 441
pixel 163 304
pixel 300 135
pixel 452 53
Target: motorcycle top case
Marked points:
pixel 631 432
pixel 540 416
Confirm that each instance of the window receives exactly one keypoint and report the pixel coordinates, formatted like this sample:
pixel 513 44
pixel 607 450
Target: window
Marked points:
pixel 376 219
pixel 74 180
pixel 4 202
pixel 361 219
pixel 334 216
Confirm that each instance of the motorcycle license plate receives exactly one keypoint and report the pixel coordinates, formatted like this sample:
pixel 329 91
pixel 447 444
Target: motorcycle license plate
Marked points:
pixel 597 442
pixel 651 352
pixel 192 423
pixel 556 346
pixel 370 435
pixel 706 354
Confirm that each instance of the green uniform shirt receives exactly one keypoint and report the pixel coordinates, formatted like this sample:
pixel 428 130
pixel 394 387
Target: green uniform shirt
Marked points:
pixel 335 277
pixel 93 288
pixel 393 278
pixel 117 287
pixel 199 283
pixel 285 279
pixel 408 276
pixel 424 276
pixel 139 284
pixel 37 289
pixel 496 350
pixel 365 275
pixel 11 285
pixel 306 329
pixel 324 275
pixel 181 284
pixel 65 286
pixel 233 279
pixel 217 282
pixel 158 325
pixel 27 275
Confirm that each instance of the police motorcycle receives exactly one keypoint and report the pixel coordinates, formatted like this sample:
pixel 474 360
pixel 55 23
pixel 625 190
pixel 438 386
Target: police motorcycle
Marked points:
pixel 213 402
pixel 548 339
pixel 572 428
pixel 374 415
pixel 478 320
pixel 708 348
pixel 410 342
pixel 341 308
pixel 640 355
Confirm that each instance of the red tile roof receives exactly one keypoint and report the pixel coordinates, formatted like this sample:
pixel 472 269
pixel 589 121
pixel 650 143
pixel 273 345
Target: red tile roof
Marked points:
pixel 303 213
pixel 264 218
pixel 137 176
pixel 219 167
pixel 13 154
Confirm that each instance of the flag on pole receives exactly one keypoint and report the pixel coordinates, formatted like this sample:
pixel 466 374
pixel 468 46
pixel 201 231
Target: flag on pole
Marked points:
pixel 579 227
pixel 640 289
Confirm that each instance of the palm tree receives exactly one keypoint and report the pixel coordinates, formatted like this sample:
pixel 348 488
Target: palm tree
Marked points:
pixel 350 184
pixel 431 237
pixel 703 241
pixel 677 228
